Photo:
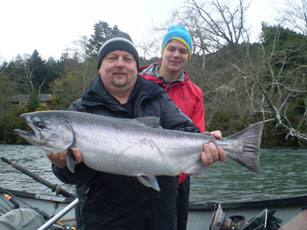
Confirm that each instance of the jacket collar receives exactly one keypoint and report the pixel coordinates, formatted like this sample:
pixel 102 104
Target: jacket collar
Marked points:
pixel 152 69
pixel 96 94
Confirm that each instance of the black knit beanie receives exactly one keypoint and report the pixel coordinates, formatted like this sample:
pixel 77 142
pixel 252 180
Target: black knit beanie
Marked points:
pixel 119 41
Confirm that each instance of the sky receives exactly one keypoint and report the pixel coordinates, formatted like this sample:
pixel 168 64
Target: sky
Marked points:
pixel 51 26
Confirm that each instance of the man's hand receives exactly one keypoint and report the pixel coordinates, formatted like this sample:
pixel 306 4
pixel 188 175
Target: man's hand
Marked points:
pixel 59 159
pixel 212 153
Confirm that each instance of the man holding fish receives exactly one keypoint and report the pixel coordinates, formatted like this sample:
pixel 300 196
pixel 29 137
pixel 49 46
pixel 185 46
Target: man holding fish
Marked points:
pixel 116 201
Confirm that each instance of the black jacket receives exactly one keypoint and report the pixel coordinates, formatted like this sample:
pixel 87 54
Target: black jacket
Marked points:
pixel 116 202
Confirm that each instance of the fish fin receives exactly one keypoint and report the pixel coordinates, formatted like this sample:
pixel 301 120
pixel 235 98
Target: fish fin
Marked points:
pixel 149 181
pixel 153 122
pixel 251 140
pixel 70 159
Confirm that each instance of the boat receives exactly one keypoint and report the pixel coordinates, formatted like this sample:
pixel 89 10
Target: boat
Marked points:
pixel 16 202
pixel 58 210
pixel 202 215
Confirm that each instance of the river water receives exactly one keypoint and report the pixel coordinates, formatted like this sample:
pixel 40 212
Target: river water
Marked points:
pixel 284 174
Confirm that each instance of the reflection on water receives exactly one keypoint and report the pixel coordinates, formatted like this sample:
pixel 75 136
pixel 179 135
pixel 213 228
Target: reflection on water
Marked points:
pixel 34 160
pixel 283 174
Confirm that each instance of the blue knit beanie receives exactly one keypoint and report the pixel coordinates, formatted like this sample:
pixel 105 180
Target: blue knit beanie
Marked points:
pixel 119 41
pixel 180 33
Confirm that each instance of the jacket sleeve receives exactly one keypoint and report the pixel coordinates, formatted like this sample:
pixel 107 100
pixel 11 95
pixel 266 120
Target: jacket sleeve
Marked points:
pixel 198 116
pixel 82 174
pixel 173 118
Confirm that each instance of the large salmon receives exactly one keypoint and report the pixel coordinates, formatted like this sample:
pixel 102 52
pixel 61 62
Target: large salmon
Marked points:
pixel 135 147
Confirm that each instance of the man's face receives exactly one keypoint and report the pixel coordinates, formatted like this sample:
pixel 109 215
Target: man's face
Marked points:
pixel 118 70
pixel 175 56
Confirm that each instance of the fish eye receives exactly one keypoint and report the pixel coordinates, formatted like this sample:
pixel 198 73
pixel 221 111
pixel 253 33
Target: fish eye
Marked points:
pixel 39 124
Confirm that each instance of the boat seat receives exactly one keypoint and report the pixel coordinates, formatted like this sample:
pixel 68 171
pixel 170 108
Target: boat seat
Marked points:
pixel 21 218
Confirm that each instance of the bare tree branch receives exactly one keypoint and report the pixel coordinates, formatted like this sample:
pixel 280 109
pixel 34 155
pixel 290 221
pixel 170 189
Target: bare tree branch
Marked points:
pixel 295 15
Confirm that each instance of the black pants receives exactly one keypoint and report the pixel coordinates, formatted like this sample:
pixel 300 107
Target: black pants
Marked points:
pixel 183 204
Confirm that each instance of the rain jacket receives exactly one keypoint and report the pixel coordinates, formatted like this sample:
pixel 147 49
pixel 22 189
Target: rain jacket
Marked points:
pixel 109 201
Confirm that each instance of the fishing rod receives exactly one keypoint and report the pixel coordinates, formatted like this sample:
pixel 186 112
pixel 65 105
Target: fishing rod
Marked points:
pixel 11 200
pixel 55 187
pixel 5 204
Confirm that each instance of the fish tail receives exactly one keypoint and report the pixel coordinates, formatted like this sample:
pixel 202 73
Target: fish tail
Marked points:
pixel 249 140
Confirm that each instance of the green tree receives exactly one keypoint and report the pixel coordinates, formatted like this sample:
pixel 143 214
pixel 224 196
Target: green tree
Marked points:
pixel 65 90
pixel 87 66
pixel 32 73
pixel 43 71
pixel 102 30
pixel 15 72
pixel 284 83
pixel 7 91
pixel 271 84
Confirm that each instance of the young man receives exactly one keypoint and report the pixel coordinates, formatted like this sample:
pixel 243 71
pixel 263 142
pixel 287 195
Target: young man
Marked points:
pixel 170 75
pixel 109 201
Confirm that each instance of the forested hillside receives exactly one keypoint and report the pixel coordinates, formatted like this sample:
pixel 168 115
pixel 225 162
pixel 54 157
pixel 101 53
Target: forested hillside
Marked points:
pixel 243 82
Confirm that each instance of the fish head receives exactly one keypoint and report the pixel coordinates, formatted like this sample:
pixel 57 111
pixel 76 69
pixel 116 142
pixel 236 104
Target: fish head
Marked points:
pixel 52 131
